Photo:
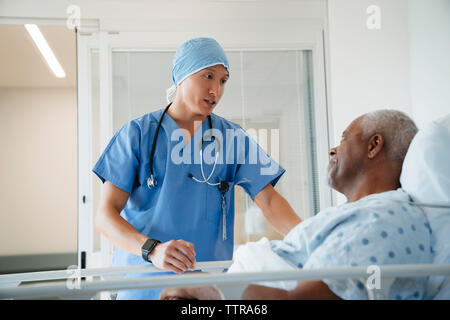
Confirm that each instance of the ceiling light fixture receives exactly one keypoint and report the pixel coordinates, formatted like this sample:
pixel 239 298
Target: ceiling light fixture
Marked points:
pixel 45 49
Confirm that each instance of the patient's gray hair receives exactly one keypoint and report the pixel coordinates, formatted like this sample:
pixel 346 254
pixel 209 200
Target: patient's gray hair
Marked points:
pixel 396 127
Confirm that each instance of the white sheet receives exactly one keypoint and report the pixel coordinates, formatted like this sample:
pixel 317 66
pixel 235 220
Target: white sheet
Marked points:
pixel 258 256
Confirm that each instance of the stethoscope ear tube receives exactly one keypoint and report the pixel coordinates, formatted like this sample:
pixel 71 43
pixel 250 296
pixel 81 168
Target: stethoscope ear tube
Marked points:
pixel 206 180
pixel 151 181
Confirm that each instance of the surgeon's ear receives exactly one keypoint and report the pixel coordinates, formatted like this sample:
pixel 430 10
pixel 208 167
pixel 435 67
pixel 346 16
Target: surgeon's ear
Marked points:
pixel 376 144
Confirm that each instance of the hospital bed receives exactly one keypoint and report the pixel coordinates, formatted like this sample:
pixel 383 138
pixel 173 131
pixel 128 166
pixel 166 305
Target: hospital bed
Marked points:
pixel 425 176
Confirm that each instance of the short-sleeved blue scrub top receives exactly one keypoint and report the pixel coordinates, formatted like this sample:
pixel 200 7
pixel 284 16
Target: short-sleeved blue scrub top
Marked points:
pixel 179 207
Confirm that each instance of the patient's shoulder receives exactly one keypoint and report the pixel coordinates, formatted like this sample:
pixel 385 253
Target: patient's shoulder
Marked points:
pixel 391 205
pixel 378 214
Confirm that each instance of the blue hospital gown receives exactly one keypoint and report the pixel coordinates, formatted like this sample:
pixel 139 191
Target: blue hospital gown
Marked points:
pixel 379 229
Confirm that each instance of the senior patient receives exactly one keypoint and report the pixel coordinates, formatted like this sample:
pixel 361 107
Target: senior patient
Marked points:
pixel 376 226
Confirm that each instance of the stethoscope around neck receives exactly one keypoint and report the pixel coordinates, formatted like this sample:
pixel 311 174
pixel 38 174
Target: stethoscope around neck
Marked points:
pixel 222 185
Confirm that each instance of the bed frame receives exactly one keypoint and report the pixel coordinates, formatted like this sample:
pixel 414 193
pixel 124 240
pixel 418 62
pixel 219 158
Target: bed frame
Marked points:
pixel 86 283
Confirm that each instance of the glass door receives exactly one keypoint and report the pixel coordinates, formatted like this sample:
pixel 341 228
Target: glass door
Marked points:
pixel 276 93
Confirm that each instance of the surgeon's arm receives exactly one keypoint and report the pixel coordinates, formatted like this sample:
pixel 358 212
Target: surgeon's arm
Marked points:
pixel 276 209
pixel 116 229
pixel 109 222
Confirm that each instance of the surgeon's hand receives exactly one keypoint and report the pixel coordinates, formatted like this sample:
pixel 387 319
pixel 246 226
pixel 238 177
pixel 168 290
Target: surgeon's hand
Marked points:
pixel 174 255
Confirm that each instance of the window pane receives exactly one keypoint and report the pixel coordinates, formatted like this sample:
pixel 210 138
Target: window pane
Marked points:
pixel 140 80
pixel 268 94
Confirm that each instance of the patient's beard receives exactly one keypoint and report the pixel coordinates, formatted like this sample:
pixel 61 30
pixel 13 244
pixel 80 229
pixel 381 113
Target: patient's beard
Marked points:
pixel 331 177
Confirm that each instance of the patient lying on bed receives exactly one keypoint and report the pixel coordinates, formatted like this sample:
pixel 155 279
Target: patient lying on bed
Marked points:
pixel 376 226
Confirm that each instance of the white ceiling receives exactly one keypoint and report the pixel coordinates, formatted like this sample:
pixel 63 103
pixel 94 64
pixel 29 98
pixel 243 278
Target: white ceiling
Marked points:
pixel 22 65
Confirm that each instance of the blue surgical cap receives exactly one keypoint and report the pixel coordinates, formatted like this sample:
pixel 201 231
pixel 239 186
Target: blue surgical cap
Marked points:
pixel 195 55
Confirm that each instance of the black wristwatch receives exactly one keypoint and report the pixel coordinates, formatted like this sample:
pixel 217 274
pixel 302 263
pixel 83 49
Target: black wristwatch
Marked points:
pixel 148 247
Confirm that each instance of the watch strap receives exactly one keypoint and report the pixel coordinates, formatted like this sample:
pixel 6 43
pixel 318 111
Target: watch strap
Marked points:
pixel 148 247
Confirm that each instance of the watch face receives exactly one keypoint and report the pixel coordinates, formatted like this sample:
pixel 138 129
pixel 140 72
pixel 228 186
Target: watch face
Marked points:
pixel 147 248
pixel 148 244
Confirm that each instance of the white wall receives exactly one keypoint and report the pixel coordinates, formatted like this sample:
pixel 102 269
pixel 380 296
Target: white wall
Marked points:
pixel 38 170
pixel 429 43
pixel 405 65
pixel 369 69
pixel 233 17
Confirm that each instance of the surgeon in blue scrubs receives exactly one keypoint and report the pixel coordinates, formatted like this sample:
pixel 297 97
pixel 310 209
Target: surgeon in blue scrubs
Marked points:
pixel 179 210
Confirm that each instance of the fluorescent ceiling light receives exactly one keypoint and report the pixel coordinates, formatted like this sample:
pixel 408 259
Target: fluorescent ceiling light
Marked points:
pixel 45 49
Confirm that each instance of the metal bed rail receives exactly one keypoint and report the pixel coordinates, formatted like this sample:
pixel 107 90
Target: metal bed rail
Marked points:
pixel 13 280
pixel 387 273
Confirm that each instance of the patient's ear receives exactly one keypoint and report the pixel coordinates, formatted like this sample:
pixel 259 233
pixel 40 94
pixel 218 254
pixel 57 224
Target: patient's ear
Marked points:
pixel 376 144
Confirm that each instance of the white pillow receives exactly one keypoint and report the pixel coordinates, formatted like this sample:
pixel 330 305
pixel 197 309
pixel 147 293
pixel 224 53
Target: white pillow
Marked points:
pixel 426 178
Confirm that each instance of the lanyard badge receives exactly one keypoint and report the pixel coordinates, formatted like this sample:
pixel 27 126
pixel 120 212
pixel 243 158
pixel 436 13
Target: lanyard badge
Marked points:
pixel 223 188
